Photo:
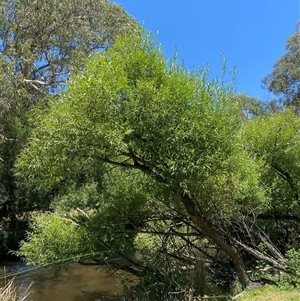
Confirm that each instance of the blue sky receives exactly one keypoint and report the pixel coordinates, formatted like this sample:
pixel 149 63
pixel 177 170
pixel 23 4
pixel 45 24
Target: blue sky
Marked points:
pixel 250 33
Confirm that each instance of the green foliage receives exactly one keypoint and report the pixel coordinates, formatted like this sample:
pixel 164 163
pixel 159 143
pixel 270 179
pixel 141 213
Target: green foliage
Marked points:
pixel 123 209
pixel 86 220
pixel 293 260
pixel 274 139
pixel 173 130
pixel 292 280
pixel 162 142
pixel 132 107
pixel 42 43
pixel 285 78
pixel 85 197
pixel 54 239
pixel 45 40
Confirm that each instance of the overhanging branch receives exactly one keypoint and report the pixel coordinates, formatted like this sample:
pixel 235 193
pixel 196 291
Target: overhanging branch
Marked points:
pixel 138 163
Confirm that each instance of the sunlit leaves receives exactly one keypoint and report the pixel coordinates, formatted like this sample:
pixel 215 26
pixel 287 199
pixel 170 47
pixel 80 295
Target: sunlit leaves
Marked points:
pixel 285 78
pixel 54 239
pixel 131 107
pixel 275 140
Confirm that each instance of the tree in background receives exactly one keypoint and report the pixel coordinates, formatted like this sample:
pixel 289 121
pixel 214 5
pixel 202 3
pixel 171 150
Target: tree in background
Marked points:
pixel 43 40
pixel 275 139
pixel 284 81
pixel 42 43
pixel 187 139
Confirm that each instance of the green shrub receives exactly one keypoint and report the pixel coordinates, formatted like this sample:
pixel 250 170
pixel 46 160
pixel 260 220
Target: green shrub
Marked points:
pixel 53 238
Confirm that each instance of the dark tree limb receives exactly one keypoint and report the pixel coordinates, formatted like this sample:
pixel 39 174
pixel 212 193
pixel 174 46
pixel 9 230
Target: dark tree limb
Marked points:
pixel 287 177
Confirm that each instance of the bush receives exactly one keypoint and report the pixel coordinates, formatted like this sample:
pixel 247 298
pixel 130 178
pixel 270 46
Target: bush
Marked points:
pixel 53 239
pixel 293 263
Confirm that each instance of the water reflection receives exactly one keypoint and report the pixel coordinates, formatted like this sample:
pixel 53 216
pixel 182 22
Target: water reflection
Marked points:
pixel 74 283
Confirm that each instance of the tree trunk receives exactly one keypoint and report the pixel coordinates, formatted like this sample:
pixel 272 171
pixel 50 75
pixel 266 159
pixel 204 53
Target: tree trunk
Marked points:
pixel 230 250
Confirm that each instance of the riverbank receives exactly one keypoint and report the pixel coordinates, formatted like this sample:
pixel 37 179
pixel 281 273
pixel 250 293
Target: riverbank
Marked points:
pixel 270 292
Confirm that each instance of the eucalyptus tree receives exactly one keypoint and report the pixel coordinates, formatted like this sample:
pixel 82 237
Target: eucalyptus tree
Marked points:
pixel 284 80
pixel 43 40
pixel 132 109
pixel 41 44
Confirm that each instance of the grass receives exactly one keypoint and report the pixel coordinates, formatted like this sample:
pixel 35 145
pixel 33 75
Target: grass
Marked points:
pixel 272 293
pixel 11 293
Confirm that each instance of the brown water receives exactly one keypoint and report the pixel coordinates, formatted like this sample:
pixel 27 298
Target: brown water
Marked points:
pixel 74 283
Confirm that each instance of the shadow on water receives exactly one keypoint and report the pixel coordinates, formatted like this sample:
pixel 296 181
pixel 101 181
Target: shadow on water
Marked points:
pixel 72 283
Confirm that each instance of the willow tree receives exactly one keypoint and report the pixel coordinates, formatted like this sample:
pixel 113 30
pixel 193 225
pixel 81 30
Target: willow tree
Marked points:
pixel 275 139
pixel 132 109
pixel 41 44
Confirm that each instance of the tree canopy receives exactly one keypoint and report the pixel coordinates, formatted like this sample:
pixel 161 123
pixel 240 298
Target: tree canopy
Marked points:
pixel 41 44
pixel 43 39
pixel 284 81
pixel 136 115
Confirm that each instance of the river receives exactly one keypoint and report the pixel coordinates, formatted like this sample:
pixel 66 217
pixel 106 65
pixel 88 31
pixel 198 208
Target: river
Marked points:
pixel 72 283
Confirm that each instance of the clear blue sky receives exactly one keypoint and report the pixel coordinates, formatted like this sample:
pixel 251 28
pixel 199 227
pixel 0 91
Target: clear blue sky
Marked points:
pixel 250 33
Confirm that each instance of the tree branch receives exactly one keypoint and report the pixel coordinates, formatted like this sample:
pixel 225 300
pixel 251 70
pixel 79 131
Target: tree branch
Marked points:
pixel 274 263
pixel 287 177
